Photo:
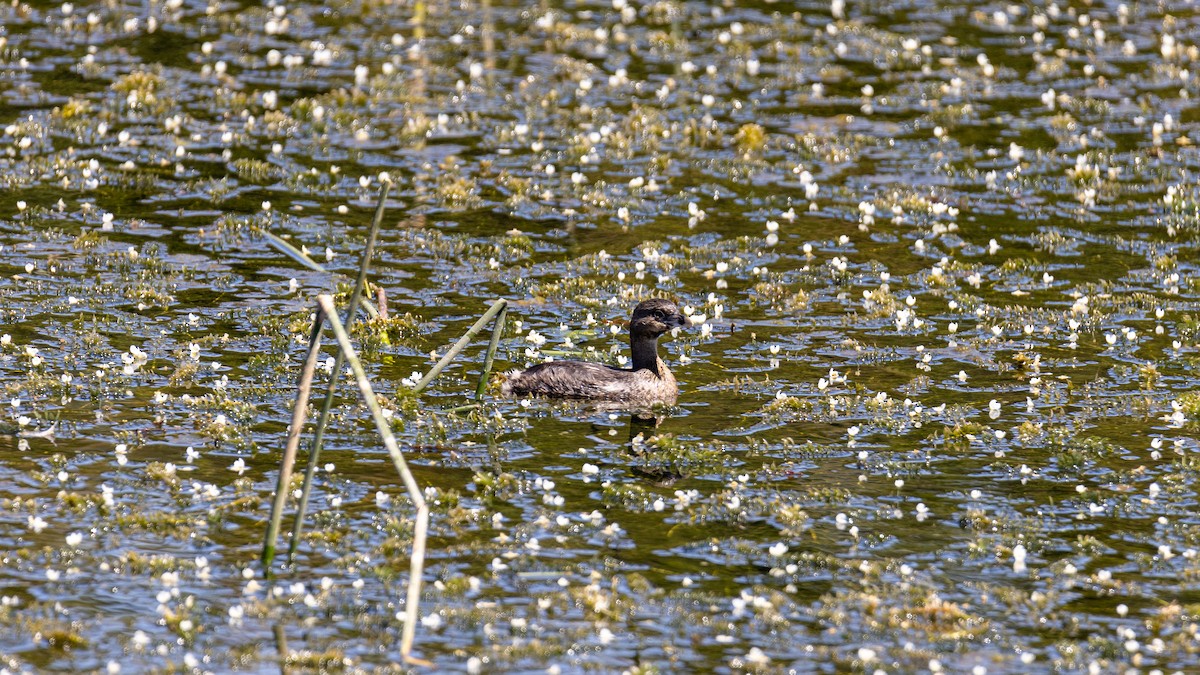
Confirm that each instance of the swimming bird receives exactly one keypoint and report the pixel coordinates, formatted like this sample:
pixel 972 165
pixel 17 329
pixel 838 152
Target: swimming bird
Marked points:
pixel 648 381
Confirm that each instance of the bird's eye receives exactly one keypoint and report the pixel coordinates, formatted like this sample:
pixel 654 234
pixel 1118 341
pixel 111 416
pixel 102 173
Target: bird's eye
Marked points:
pixel 658 314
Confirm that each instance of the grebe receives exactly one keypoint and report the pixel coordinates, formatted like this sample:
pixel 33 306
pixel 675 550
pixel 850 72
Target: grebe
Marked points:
pixel 647 381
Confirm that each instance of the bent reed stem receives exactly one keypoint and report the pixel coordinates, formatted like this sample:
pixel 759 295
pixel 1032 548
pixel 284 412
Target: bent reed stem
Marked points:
pixel 410 483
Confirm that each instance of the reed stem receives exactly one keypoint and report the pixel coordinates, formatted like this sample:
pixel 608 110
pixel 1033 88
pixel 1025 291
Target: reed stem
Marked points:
pixel 410 483
pixel 497 333
pixel 299 415
pixel 314 452
pixel 497 307
pixel 281 645
pixel 303 258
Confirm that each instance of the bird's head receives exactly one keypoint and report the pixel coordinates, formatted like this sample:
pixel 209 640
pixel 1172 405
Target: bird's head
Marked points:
pixel 656 316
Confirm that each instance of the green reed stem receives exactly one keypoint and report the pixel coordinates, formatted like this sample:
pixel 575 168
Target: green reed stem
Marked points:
pixel 497 307
pixel 464 408
pixel 497 332
pixel 301 257
pixel 294 253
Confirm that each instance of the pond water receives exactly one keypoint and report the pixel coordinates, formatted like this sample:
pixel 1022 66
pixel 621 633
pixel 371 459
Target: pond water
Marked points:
pixel 936 412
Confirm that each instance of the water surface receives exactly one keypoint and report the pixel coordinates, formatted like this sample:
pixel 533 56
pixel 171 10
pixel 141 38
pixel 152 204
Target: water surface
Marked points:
pixel 936 413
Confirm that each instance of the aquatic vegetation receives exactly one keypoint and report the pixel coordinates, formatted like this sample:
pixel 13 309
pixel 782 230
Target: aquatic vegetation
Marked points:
pixel 936 414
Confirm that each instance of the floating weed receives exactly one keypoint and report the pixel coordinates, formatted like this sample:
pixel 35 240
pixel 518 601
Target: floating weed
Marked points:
pixel 750 138
pixel 780 298
pixel 330 660
pixel 379 334
pixel 1189 404
pixel 791 519
pixel 255 171
pixel 785 407
pixel 1080 453
pixel 927 614
pixel 667 455
pixel 59 635
pixel 176 526
pixel 629 496
pixel 496 487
